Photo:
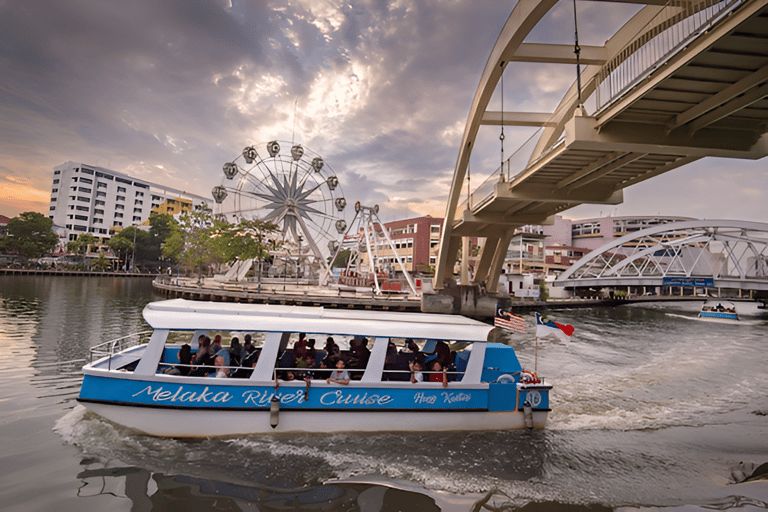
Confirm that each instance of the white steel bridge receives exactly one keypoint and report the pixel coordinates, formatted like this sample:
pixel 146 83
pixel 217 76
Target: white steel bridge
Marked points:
pixel 681 80
pixel 702 253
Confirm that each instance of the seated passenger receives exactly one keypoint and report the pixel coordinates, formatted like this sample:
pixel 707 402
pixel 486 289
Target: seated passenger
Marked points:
pixel 184 355
pixel 442 353
pixel 235 351
pixel 416 375
pixel 438 374
pixel 339 375
pixel 222 361
pixel 203 360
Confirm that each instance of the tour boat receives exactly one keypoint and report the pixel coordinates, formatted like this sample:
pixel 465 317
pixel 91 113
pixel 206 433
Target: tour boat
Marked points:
pixel 127 380
pixel 721 310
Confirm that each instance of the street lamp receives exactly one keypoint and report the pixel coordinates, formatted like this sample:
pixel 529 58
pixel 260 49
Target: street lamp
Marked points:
pixel 133 256
pixel 298 260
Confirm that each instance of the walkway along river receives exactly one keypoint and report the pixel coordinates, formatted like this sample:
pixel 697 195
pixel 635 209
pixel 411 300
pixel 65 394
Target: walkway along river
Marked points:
pixel 652 409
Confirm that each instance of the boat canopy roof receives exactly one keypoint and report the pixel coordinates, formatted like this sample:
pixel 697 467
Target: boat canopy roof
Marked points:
pixel 180 314
pixel 716 302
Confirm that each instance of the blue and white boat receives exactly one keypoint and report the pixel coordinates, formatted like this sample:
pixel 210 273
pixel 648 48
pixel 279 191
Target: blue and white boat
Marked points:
pixel 719 309
pixel 487 389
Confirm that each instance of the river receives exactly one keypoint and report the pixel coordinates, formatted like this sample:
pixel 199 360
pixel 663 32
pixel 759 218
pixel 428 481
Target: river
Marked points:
pixel 653 409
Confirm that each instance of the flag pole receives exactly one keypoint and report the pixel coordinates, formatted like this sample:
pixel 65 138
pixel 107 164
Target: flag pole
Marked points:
pixel 536 357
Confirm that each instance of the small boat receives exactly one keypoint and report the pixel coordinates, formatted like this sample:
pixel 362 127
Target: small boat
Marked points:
pixel 719 309
pixel 128 380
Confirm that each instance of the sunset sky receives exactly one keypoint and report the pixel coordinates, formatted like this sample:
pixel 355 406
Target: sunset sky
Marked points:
pixel 169 90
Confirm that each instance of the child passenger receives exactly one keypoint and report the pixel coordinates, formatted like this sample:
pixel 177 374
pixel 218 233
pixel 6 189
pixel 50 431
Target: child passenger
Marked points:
pixel 339 375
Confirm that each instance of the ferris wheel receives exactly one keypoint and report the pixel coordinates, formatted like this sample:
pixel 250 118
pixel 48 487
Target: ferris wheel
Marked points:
pixel 294 189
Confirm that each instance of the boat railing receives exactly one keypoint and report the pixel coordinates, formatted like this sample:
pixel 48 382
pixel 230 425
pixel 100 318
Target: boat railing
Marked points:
pixel 112 347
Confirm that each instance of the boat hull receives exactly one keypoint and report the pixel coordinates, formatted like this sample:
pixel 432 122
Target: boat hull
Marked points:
pixel 172 422
pixel 205 407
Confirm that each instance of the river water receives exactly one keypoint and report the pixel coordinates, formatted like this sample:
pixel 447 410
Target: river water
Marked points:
pixel 653 409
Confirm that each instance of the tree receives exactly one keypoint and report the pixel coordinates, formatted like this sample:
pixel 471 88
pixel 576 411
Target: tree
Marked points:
pixel 190 242
pixel 102 264
pixel 30 235
pixel 248 239
pixel 342 259
pixel 161 226
pixel 80 246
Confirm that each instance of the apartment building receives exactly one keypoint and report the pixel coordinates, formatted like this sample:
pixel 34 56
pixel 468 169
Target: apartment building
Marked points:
pixel 90 199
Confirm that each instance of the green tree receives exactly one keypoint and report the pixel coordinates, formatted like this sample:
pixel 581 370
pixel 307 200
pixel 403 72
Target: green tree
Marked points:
pixel 191 242
pixel 248 239
pixel 80 246
pixel 101 263
pixel 161 226
pixel 342 259
pixel 30 235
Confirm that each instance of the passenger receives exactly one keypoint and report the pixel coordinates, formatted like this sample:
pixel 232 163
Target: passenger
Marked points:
pixel 251 355
pixel 442 354
pixel 339 375
pixel 222 362
pixel 323 370
pixel 330 346
pixel 438 374
pixel 416 375
pixel 247 341
pixel 312 351
pixel 359 353
pixel 184 355
pixel 185 359
pixel 203 360
pixel 390 362
pixel 235 351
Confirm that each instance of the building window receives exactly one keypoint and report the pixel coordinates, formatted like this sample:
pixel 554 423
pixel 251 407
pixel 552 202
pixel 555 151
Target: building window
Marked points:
pixel 121 189
pixel 119 207
pixel 137 210
pixel 120 198
pixel 123 180
pixel 98 221
pixel 138 201
pixel 80 228
pixel 81 217
pixel 84 199
pixel 118 215
pixel 118 224
pixel 87 181
pixel 136 219
pixel 139 194
pixel 82 208
pixel 98 212
pixel 54 191
pixel 56 172
pixel 53 199
pixel 101 184
pixel 157 198
pixel 83 189
pixel 98 202
pixel 52 208
pixel 55 181
pixel 101 194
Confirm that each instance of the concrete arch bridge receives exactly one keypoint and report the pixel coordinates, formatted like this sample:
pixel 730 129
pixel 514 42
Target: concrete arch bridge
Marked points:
pixel 680 81
pixel 702 254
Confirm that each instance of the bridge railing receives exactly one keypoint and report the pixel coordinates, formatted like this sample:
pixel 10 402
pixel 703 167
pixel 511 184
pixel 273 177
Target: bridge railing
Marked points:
pixel 680 22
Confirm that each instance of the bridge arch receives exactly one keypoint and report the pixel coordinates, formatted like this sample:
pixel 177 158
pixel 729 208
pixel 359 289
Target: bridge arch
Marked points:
pixel 734 254
pixel 635 132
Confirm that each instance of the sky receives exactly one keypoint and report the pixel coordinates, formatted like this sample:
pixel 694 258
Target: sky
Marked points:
pixel 169 90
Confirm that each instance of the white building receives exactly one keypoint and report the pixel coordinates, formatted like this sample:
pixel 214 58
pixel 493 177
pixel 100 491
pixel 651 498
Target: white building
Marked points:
pixel 91 199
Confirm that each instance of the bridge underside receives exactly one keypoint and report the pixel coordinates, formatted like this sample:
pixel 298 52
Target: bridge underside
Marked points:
pixel 706 97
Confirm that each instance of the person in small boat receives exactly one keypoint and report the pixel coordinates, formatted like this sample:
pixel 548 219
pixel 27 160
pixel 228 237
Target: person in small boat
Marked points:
pixel 184 355
pixel 222 361
pixel 339 375
pixel 235 351
pixel 416 375
pixel 439 374
pixel 203 360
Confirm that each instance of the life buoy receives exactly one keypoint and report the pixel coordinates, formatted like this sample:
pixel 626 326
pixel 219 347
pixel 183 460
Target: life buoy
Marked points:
pixel 527 377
